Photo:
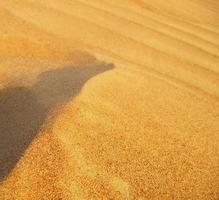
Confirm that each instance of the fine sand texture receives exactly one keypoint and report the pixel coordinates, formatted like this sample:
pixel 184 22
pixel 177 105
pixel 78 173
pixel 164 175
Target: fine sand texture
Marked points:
pixel 109 99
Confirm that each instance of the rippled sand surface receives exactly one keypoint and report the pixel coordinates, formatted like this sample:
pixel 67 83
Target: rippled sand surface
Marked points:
pixel 109 99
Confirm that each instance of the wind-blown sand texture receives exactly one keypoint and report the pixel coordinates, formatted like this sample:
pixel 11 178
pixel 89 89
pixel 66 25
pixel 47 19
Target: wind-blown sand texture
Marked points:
pixel 109 99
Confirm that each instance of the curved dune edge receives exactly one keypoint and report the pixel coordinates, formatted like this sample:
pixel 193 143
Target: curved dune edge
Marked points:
pixel 121 99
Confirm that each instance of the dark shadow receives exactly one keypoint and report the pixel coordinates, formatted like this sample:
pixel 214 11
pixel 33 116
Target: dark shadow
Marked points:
pixel 23 110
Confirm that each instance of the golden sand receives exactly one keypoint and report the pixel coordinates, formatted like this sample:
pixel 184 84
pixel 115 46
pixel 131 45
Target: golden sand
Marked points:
pixel 109 99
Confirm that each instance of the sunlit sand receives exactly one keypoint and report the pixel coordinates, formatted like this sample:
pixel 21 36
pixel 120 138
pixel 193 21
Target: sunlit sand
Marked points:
pixel 109 99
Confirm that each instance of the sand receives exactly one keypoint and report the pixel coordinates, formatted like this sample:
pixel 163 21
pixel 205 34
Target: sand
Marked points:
pixel 109 99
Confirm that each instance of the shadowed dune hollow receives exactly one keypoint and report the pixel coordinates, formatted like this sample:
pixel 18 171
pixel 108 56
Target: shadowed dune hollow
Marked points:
pixel 23 110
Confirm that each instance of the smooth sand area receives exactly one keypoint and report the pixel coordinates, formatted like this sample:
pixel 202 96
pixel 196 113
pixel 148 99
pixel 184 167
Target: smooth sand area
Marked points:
pixel 109 99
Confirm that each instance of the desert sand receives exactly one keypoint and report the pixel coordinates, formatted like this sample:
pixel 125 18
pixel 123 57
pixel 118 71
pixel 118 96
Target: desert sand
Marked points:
pixel 109 99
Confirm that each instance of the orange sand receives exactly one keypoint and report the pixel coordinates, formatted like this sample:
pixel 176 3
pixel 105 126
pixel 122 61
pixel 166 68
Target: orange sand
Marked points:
pixel 109 99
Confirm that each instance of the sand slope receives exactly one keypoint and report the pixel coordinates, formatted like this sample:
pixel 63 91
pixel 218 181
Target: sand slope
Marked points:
pixel 109 99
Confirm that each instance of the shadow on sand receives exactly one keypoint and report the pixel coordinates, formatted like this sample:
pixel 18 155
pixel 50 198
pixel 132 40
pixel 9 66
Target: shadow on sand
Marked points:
pixel 23 110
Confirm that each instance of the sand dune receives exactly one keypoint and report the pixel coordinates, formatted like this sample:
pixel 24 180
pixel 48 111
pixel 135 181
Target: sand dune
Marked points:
pixel 109 99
